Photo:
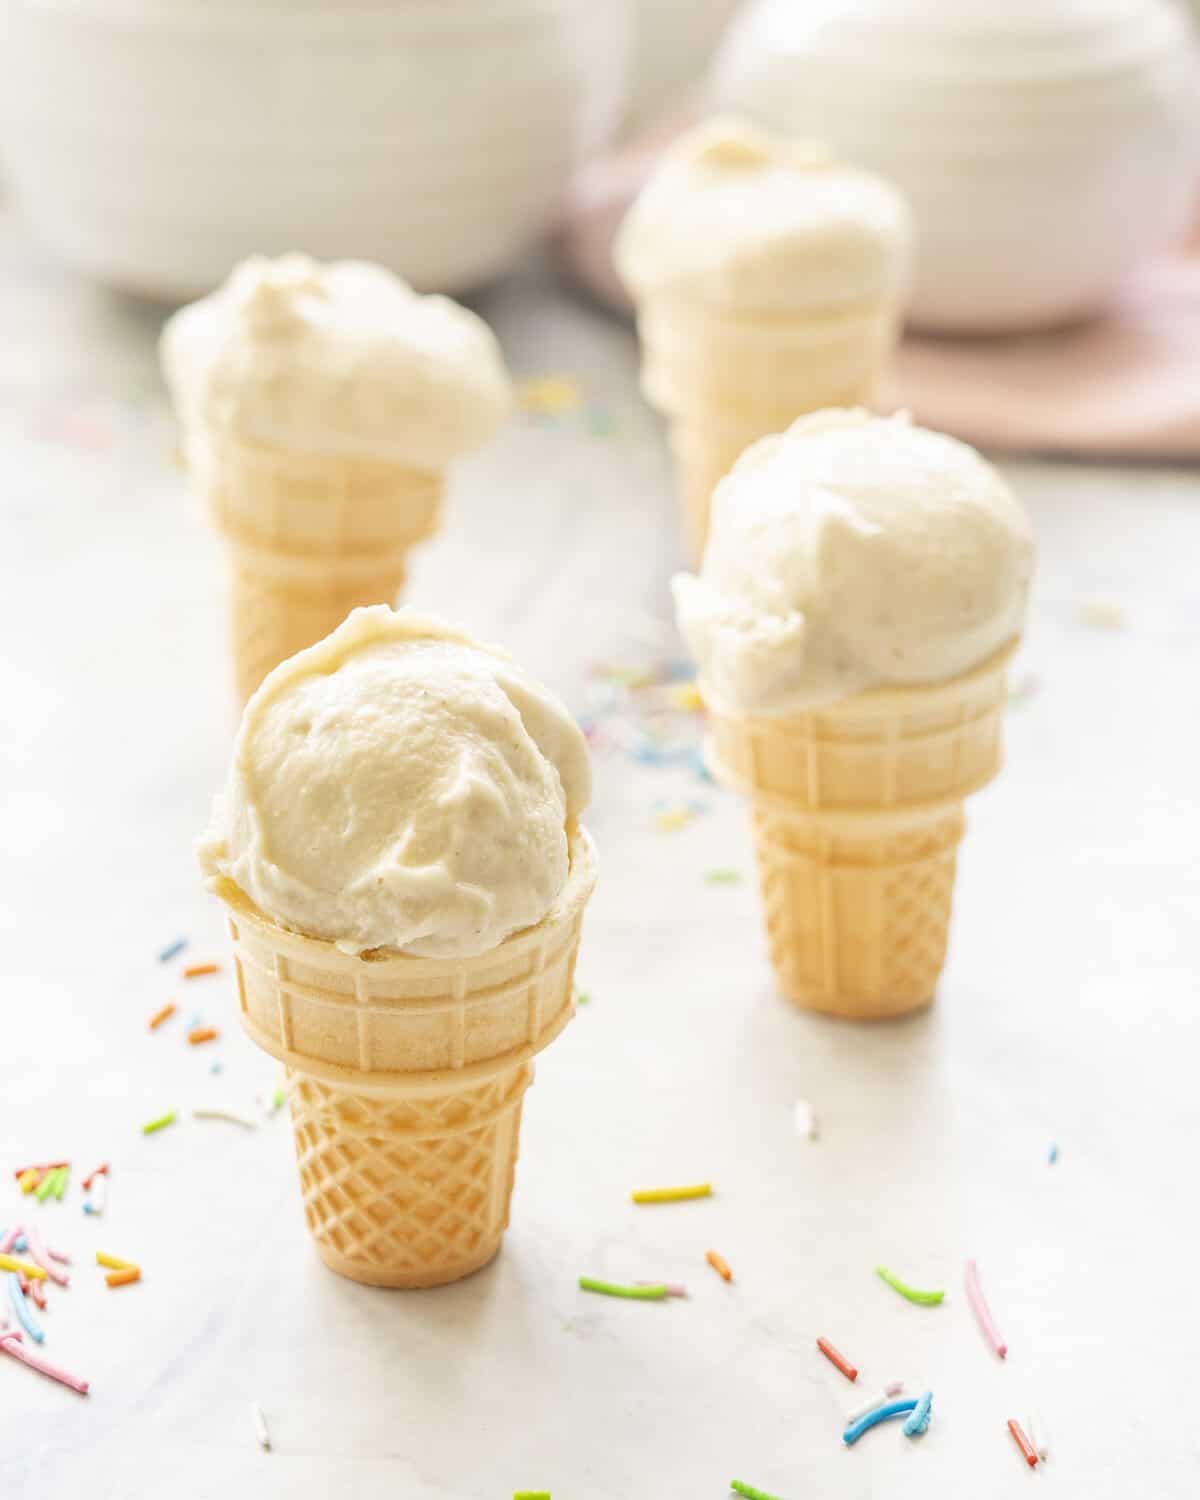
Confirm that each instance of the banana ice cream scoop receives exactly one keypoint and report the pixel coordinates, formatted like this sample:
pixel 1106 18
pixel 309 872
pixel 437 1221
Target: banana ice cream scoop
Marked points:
pixel 401 786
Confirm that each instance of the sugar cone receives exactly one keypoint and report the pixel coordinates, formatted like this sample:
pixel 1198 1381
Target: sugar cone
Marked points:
pixel 310 538
pixel 725 380
pixel 406 1078
pixel 858 815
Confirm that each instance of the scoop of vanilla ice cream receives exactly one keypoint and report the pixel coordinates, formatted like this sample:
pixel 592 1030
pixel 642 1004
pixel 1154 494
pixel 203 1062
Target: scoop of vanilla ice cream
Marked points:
pixel 737 217
pixel 400 786
pixel 342 359
pixel 853 552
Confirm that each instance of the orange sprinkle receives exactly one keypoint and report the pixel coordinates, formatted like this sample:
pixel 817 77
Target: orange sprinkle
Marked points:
pixel 160 1016
pixel 125 1277
pixel 203 1034
pixel 719 1264
pixel 194 971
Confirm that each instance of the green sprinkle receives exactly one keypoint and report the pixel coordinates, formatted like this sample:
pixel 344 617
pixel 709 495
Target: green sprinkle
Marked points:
pixel 163 1120
pixel 277 1097
pixel 46 1186
pixel 926 1299
pixel 531 1495
pixel 60 1182
pixel 722 877
pixel 583 998
pixel 634 1293
pixel 741 1488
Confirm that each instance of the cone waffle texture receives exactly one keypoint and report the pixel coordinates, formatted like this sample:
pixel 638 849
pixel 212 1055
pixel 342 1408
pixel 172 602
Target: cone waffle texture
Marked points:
pixel 725 381
pixel 858 815
pixel 310 538
pixel 406 1078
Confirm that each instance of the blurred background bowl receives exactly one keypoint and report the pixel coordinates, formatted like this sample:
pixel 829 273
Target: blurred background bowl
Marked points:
pixel 1046 146
pixel 157 142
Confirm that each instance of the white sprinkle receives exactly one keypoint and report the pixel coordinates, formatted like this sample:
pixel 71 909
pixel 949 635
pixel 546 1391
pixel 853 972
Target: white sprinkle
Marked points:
pixel 97 1199
pixel 806 1120
pixel 1102 614
pixel 1039 1435
pixel 225 1114
pixel 893 1388
pixel 260 1427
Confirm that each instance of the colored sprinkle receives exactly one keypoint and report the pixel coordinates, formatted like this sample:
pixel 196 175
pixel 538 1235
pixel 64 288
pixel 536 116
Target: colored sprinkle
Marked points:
pixel 46 1186
pixel 195 971
pixel 918 1422
pixel 36 1290
pixel 739 1487
pixel 982 1311
pixel 719 1264
pixel 1022 1442
pixel 11 1239
pixel 1053 1156
pixel 24 1267
pixel 40 1167
pixel 672 1194
pixel 39 1253
pixel 163 1120
pixel 277 1098
pixel 203 1034
pixel 583 998
pixel 531 1495
pixel 673 1287
pixel 60 1182
pixel 113 1263
pixel 893 1388
pixel 98 1202
pixel 162 1015
pixel 217 1067
pixel 873 1418
pixel 29 1179
pixel 834 1358
pixel 806 1120
pixel 100 1171
pixel 550 395
pixel 1102 614
pixel 124 1278
pixel 172 950
pixel 926 1299
pixel 225 1114
pixel 655 1293
pixel 260 1427
pixel 685 696
pixel 1039 1435
pixel 673 819
pixel 21 1308
pixel 722 877
pixel 10 1344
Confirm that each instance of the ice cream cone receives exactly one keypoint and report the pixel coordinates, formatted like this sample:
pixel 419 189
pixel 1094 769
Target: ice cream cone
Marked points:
pixel 310 538
pixel 857 817
pixel 725 382
pixel 406 1078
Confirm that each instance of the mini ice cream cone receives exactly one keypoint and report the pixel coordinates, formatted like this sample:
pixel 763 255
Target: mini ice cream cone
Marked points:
pixel 320 408
pixel 768 283
pixel 858 813
pixel 406 1078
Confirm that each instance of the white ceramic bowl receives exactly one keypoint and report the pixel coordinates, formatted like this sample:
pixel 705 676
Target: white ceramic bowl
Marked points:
pixel 157 142
pixel 1046 146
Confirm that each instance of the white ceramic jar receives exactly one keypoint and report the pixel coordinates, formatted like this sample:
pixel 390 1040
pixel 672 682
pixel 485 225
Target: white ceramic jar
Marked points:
pixel 157 142
pixel 1046 146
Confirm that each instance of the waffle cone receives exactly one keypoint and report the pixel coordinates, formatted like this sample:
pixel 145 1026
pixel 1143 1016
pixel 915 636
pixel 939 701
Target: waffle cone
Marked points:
pixel 310 538
pixel 406 1078
pixel 857 812
pixel 724 381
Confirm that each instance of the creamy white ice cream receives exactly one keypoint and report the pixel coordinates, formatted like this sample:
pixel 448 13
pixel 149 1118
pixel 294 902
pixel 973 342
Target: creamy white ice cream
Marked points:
pixel 735 217
pixel 853 552
pixel 400 785
pixel 342 359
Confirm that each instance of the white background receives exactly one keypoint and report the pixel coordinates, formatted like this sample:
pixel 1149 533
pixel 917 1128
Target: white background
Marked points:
pixel 1068 1013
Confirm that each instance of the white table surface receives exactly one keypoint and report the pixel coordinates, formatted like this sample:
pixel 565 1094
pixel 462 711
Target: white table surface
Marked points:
pixel 1068 1013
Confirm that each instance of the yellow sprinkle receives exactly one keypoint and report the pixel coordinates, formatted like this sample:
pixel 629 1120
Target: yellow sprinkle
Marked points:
pixel 551 394
pixel 673 1194
pixel 113 1263
pixel 686 696
pixel 674 818
pixel 10 1263
pixel 29 1180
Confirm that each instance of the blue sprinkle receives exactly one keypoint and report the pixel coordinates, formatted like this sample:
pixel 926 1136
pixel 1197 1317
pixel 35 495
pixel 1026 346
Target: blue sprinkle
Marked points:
pixel 21 1308
pixel 216 1068
pixel 880 1414
pixel 1053 1157
pixel 171 950
pixel 919 1420
pixel 197 1020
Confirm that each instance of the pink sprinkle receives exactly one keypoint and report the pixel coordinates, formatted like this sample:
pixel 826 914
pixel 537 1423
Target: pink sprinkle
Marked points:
pixel 10 1238
pixel 39 1253
pixel 12 1343
pixel 673 1287
pixel 982 1311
